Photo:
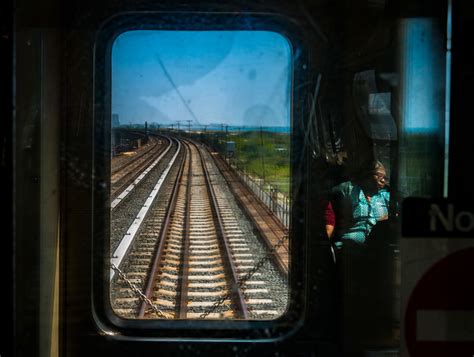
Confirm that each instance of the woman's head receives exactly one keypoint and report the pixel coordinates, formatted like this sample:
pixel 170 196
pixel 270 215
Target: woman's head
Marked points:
pixel 373 176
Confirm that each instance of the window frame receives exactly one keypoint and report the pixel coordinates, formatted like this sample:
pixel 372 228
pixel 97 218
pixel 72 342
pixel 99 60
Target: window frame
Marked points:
pixel 210 330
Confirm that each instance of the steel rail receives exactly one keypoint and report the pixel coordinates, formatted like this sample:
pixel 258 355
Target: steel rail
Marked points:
pixel 129 237
pixel 162 239
pixel 124 181
pixel 233 180
pixel 237 295
pixel 183 279
pixel 120 167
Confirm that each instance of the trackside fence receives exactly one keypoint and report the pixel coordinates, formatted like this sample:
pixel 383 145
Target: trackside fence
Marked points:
pixel 275 200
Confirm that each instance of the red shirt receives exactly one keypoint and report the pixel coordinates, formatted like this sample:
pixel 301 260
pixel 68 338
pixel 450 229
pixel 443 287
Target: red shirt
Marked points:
pixel 329 216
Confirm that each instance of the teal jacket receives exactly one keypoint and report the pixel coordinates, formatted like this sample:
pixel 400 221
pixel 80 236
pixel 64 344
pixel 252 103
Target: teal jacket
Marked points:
pixel 355 216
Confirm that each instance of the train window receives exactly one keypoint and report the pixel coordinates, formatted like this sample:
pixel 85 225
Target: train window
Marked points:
pixel 195 137
pixel 200 174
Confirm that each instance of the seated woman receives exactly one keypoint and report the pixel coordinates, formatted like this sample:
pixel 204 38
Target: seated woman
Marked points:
pixel 358 205
pixel 354 208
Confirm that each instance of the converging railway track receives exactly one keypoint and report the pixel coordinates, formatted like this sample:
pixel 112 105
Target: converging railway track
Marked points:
pixel 126 172
pixel 195 254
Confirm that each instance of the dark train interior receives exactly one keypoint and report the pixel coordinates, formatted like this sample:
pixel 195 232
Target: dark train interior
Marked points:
pixel 364 73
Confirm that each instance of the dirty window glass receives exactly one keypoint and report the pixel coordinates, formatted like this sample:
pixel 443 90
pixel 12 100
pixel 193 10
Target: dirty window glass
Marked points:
pixel 200 174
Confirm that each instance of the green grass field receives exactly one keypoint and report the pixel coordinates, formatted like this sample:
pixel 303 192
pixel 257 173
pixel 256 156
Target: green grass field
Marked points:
pixel 263 154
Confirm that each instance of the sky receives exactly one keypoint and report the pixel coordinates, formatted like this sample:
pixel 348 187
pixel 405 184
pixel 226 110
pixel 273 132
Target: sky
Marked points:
pixel 424 76
pixel 210 77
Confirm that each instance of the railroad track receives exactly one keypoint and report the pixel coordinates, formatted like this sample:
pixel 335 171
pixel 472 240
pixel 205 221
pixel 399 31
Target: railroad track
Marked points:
pixel 192 259
pixel 271 229
pixel 121 161
pixel 126 172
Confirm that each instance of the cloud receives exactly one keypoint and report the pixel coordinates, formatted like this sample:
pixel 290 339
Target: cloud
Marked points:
pixel 246 81
pixel 226 97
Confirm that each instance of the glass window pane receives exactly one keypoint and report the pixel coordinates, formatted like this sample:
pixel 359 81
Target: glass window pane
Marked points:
pixel 200 177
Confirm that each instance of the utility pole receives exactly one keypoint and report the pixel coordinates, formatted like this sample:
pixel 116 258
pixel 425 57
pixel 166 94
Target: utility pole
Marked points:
pixel 226 142
pixel 189 125
pixel 205 134
pixel 226 134
pixel 221 136
pixel 239 139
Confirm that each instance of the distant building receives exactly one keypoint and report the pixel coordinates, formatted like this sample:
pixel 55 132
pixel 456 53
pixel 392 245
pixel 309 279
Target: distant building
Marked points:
pixel 230 148
pixel 115 121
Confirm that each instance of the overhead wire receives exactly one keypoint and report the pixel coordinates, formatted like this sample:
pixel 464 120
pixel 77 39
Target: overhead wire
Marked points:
pixel 168 76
